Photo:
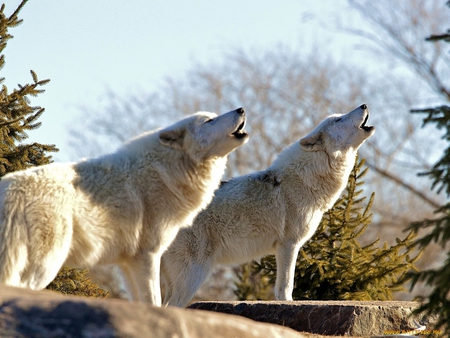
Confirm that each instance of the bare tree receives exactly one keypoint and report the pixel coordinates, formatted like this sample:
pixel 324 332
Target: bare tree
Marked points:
pixel 285 95
pixel 397 31
pixel 394 34
pixel 116 120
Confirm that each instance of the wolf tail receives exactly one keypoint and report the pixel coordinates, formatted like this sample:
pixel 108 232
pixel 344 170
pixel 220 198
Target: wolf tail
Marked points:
pixel 13 234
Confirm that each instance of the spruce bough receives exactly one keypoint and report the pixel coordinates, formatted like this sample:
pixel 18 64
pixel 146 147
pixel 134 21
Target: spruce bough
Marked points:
pixel 17 116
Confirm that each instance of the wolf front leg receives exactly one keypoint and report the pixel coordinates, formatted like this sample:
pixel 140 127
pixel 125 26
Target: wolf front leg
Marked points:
pixel 143 272
pixel 286 256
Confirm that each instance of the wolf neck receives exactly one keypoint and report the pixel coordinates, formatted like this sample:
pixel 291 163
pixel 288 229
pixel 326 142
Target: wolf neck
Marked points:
pixel 324 176
pixel 192 181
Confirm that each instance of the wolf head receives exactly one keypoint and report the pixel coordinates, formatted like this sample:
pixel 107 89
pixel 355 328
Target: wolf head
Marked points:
pixel 205 135
pixel 340 132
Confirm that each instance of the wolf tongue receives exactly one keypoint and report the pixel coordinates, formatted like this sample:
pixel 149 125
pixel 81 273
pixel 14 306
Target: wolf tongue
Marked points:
pixel 239 134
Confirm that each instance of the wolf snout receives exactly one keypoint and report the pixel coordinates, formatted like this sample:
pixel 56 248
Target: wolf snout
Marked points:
pixel 363 106
pixel 240 111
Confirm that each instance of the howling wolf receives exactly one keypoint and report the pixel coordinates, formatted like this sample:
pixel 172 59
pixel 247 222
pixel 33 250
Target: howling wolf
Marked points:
pixel 124 208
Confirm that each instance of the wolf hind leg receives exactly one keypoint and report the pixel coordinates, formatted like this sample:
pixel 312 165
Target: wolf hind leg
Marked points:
pixel 130 284
pixel 186 283
pixel 43 256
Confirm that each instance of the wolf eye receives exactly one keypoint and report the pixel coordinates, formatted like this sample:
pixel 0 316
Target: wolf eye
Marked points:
pixel 338 119
pixel 209 120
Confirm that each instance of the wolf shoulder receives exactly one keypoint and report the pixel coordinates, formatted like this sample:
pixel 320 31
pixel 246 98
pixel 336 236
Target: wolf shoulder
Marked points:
pixel 263 185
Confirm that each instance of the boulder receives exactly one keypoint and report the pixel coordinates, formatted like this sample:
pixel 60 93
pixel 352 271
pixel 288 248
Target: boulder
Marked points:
pixel 25 313
pixel 349 318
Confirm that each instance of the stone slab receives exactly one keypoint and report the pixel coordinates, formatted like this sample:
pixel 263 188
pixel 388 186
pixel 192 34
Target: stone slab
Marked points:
pixel 349 318
pixel 25 313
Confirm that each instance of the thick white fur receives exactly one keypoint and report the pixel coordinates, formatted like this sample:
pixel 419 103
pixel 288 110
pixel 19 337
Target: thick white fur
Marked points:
pixel 123 208
pixel 273 211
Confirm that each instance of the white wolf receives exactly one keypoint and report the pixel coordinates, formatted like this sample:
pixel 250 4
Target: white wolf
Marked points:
pixel 272 211
pixel 123 208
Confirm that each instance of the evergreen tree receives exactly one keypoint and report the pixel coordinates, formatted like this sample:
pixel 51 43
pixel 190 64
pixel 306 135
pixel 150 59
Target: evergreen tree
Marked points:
pixel 252 284
pixel 334 265
pixel 437 303
pixel 75 282
pixel 17 117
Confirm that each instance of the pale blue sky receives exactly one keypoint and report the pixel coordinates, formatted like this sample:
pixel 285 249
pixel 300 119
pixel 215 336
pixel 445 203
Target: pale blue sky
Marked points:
pixel 85 46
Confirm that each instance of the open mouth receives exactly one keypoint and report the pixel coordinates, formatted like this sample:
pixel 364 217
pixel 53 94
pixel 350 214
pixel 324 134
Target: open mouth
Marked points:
pixel 240 132
pixel 364 126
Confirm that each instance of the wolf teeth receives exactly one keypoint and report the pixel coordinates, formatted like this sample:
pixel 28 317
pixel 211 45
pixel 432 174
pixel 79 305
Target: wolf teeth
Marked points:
pixel 364 126
pixel 365 121
pixel 240 132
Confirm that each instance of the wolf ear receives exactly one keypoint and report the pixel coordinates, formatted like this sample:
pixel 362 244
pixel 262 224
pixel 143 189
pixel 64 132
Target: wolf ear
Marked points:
pixel 312 142
pixel 173 138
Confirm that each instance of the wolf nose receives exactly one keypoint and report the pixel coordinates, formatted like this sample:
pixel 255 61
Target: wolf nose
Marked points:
pixel 363 106
pixel 240 111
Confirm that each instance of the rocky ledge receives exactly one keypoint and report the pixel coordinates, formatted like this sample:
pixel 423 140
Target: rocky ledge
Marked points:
pixel 25 313
pixel 340 318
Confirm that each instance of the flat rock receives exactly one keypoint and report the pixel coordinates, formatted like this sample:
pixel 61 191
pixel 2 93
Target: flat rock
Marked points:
pixel 25 313
pixel 349 318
